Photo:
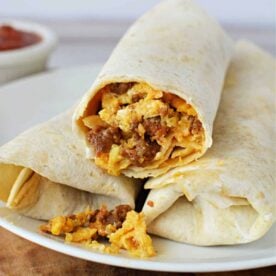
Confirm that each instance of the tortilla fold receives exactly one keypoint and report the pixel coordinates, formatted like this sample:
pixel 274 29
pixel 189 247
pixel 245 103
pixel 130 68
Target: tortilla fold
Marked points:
pixel 43 173
pixel 152 106
pixel 228 196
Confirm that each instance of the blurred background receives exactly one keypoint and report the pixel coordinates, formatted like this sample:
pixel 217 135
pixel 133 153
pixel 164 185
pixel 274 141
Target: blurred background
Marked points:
pixel 89 29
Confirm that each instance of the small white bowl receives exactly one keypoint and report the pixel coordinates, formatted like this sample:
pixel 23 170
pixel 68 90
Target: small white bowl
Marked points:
pixel 25 61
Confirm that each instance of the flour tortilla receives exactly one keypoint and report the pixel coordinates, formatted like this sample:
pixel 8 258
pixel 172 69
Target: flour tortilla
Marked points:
pixel 43 173
pixel 175 47
pixel 228 196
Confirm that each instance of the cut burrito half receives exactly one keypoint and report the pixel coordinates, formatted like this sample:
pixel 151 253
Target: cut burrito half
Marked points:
pixel 153 104
pixel 43 173
pixel 228 196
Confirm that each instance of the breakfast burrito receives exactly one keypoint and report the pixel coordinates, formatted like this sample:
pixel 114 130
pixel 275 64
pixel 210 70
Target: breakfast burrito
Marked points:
pixel 43 173
pixel 153 104
pixel 228 196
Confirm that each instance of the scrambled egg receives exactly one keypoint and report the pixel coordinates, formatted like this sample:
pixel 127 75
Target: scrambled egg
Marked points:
pixel 133 237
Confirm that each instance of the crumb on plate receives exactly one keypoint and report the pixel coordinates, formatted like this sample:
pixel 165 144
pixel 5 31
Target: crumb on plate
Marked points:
pixel 122 227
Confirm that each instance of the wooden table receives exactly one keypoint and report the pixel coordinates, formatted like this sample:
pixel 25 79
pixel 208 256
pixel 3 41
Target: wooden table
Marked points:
pixel 84 43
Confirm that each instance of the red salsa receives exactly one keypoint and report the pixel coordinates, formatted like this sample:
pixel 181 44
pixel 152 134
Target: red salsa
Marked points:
pixel 11 38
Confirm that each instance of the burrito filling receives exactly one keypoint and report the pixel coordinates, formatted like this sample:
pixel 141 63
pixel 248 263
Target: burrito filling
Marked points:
pixel 136 125
pixel 122 227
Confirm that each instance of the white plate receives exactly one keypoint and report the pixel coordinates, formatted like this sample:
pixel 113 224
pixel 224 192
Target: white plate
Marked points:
pixel 33 100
